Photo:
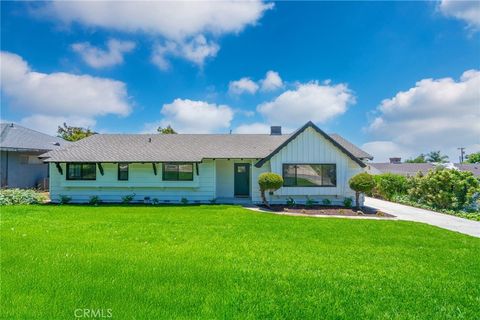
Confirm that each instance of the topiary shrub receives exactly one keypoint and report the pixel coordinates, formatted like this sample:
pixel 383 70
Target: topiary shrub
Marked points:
pixel 347 202
pixel 361 183
pixel 269 181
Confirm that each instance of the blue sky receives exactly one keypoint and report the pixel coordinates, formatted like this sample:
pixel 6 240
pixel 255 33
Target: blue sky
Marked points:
pixel 397 78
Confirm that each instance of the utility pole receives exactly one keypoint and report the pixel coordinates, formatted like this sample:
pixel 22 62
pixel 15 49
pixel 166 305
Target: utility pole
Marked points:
pixel 462 153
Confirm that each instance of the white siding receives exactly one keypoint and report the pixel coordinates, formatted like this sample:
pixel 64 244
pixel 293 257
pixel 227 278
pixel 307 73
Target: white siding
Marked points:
pixel 142 181
pixel 312 147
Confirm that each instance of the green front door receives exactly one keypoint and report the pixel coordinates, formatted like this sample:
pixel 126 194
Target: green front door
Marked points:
pixel 242 179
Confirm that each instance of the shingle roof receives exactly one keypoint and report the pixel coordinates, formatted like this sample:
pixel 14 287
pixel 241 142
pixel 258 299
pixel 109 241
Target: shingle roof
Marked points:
pixel 16 137
pixel 410 169
pixel 356 151
pixel 471 167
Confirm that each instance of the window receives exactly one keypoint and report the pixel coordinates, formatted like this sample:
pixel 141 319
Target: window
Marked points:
pixel 309 175
pixel 178 171
pixel 123 171
pixel 81 171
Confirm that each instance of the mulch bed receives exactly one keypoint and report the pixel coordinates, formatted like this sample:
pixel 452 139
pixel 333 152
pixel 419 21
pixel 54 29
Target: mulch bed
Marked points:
pixel 329 210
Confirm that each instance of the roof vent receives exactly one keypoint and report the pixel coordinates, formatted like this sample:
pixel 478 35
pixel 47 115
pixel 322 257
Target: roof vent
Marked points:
pixel 396 160
pixel 149 139
pixel 11 125
pixel 275 130
pixel 56 143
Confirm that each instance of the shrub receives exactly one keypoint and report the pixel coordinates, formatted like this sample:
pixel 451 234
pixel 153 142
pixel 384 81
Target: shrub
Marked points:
pixel 445 189
pixel 387 185
pixel 326 202
pixel 291 202
pixel 20 196
pixel 184 201
pixel 310 202
pixel 64 199
pixel 361 183
pixel 155 201
pixel 213 200
pixel 269 181
pixel 128 198
pixel 347 202
pixel 94 200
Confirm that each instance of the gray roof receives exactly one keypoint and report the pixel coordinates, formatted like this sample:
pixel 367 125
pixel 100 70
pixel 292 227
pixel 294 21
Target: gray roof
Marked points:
pixel 356 151
pixel 406 169
pixel 167 147
pixel 15 137
pixel 471 167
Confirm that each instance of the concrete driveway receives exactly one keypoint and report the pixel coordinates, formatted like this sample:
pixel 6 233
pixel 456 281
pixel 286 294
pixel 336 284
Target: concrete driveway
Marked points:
pixel 403 212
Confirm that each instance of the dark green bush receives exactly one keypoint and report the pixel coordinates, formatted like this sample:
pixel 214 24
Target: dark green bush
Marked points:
pixel 20 196
pixel 445 189
pixel 387 185
pixel 64 199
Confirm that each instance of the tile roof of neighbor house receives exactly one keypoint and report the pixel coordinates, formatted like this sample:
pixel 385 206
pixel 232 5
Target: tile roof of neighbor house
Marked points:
pixel 471 167
pixel 169 147
pixel 14 137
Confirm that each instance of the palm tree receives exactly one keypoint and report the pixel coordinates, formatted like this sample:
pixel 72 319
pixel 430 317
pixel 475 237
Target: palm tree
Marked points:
pixel 436 156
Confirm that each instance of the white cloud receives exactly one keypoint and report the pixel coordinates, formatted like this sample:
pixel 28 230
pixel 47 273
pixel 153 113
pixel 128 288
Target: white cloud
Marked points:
pixel 244 85
pixel 271 82
pixel 61 95
pixel 98 58
pixel 310 101
pixel 197 50
pixel 383 150
pixel 436 114
pixel 468 11
pixel 176 22
pixel 188 116
pixel 49 124
pixel 256 127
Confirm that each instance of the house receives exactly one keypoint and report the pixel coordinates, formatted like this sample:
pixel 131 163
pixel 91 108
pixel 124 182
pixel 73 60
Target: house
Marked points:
pixel 20 147
pixel 204 167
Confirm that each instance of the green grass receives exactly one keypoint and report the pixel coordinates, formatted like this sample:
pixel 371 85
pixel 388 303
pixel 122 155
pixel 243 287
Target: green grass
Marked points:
pixel 227 262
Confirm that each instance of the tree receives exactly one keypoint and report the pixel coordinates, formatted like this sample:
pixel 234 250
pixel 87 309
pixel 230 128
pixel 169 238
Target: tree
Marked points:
pixel 473 157
pixel 269 181
pixel 73 133
pixel 419 159
pixel 167 130
pixel 436 156
pixel 361 183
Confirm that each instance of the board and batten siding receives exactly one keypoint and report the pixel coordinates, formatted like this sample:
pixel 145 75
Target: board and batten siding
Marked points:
pixel 311 147
pixel 142 182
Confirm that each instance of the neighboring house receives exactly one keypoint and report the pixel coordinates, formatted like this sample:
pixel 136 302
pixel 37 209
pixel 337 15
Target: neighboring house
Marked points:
pixel 20 147
pixel 412 169
pixel 204 167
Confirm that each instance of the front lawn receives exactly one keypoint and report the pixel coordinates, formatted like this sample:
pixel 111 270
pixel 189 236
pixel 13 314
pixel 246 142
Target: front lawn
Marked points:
pixel 227 262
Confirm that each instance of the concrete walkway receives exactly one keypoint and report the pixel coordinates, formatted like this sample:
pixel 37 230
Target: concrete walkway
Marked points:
pixel 403 212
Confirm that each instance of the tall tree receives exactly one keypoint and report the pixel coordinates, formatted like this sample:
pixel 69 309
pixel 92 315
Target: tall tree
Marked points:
pixel 73 133
pixel 167 130
pixel 436 156
pixel 419 159
pixel 473 157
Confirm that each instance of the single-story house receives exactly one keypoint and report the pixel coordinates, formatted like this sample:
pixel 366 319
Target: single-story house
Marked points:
pixel 203 168
pixel 20 147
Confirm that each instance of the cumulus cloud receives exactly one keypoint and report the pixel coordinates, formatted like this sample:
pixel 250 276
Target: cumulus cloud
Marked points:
pixel 175 22
pixel 244 85
pixel 60 94
pixel 310 101
pixel 196 50
pixel 468 11
pixel 271 82
pixel 436 114
pixel 99 58
pixel 49 124
pixel 188 116
pixel 256 127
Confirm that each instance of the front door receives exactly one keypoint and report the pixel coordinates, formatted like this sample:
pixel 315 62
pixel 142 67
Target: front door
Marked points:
pixel 242 179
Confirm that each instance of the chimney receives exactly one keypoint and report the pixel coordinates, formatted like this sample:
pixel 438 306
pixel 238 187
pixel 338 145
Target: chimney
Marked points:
pixel 275 130
pixel 396 160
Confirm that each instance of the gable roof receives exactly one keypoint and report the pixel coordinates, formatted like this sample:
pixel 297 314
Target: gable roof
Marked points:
pixel 14 137
pixel 356 151
pixel 310 124
pixel 171 147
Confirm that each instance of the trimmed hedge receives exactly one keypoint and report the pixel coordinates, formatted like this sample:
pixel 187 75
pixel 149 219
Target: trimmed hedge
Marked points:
pixel 20 196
